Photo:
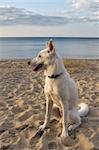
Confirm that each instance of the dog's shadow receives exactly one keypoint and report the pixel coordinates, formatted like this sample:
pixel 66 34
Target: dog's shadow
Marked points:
pixel 38 135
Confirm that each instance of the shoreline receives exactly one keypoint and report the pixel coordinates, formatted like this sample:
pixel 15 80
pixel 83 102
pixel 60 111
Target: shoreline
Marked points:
pixel 51 37
pixel 68 58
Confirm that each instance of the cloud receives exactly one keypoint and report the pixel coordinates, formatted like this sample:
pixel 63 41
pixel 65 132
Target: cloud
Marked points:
pixel 83 10
pixel 83 4
pixel 78 4
pixel 20 16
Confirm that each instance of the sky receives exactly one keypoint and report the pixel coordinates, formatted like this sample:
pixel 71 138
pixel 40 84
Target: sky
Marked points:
pixel 69 18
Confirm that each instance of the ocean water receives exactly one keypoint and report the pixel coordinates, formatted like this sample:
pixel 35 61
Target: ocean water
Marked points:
pixel 28 47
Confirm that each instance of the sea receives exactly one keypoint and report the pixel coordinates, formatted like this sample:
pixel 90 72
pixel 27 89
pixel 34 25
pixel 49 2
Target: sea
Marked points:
pixel 28 47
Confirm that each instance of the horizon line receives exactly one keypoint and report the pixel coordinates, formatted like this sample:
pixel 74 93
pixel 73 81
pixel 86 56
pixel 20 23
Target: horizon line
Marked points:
pixel 47 37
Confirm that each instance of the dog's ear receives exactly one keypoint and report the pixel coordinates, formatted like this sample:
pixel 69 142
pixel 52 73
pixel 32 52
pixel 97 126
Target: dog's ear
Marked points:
pixel 50 46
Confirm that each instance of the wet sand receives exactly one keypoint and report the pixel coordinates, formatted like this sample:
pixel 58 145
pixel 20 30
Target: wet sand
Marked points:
pixel 22 107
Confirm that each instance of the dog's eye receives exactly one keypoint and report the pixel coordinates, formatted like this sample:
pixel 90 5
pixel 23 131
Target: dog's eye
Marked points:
pixel 39 56
pixel 48 51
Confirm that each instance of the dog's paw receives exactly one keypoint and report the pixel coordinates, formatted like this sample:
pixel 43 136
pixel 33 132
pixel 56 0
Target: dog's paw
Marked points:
pixel 42 127
pixel 73 127
pixel 70 128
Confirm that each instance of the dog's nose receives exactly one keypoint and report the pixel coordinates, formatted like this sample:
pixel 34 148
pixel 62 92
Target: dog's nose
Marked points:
pixel 29 62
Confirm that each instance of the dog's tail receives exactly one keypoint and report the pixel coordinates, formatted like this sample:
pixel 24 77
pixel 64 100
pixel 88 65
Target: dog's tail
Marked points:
pixel 83 109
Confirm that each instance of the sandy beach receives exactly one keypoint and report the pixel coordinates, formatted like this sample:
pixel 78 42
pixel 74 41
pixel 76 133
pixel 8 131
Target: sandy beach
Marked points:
pixel 22 107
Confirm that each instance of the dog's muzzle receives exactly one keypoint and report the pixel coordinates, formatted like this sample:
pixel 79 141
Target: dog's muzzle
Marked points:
pixel 35 66
pixel 39 66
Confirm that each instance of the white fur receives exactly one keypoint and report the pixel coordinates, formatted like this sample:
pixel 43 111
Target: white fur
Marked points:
pixel 61 91
pixel 83 110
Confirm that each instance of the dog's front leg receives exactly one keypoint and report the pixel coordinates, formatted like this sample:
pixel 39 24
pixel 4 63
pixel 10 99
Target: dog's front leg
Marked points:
pixel 64 120
pixel 49 104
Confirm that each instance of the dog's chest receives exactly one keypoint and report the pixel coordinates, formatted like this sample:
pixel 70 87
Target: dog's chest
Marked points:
pixel 51 86
pixel 52 89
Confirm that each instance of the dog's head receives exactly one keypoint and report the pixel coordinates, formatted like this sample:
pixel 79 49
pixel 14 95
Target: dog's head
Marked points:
pixel 44 58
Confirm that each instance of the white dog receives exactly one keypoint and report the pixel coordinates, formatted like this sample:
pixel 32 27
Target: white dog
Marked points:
pixel 60 89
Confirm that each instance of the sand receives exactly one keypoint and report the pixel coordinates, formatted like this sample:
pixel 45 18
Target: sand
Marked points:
pixel 22 108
